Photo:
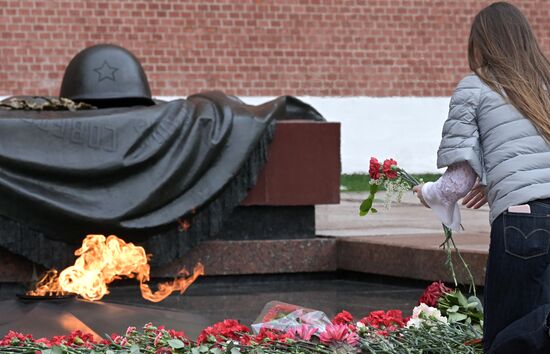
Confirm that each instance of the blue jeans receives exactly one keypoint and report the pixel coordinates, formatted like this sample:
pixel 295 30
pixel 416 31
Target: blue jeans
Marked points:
pixel 517 283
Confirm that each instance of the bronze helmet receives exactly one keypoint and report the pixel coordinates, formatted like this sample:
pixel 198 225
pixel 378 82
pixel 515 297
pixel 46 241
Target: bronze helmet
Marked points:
pixel 106 75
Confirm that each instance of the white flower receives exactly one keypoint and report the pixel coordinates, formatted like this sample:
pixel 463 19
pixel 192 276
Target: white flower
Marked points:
pixel 361 327
pixel 422 313
pixel 394 191
pixel 376 181
pixel 414 322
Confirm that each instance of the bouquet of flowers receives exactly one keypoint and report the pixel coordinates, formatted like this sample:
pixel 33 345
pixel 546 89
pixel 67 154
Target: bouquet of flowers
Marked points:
pixel 396 181
pixel 282 317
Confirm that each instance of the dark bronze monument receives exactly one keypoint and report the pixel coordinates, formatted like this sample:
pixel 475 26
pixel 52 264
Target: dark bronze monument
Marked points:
pixel 167 175
pixel 107 158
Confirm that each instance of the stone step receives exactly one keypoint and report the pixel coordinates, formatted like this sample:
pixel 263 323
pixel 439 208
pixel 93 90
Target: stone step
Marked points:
pixel 411 256
pixel 407 256
pixel 414 256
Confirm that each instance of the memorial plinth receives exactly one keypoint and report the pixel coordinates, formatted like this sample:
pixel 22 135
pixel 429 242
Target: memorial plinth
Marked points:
pixel 302 170
pixel 303 166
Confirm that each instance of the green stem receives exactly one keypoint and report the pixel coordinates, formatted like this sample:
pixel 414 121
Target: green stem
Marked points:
pixel 470 275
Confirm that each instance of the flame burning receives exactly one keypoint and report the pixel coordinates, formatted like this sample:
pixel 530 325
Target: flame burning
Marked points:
pixel 103 260
pixel 48 285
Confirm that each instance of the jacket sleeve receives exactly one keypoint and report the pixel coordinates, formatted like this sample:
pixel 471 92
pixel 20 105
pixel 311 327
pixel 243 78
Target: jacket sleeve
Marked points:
pixel 460 138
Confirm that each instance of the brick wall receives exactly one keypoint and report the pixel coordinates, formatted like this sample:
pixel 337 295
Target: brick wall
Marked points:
pixel 253 47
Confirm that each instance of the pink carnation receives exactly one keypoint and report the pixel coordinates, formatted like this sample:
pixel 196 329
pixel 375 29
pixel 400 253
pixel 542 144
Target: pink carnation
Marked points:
pixel 303 332
pixel 339 334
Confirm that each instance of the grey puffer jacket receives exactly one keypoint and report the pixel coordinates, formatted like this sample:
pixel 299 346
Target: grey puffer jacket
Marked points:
pixel 503 147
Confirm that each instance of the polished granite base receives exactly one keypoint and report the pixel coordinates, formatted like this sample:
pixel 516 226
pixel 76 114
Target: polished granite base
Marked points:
pixel 47 318
pixel 213 299
pixel 405 256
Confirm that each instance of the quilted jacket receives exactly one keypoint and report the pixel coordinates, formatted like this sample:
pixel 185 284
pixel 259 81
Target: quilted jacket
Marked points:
pixel 502 146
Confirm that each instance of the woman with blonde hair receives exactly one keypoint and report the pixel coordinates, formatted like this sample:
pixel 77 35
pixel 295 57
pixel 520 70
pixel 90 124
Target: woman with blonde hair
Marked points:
pixel 498 132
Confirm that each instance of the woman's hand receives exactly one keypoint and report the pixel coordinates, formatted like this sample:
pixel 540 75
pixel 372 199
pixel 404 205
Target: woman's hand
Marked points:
pixel 418 191
pixel 476 198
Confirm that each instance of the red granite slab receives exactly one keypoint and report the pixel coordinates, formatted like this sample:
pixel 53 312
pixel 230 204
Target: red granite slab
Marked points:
pixel 406 256
pixel 413 256
pixel 259 257
pixel 303 166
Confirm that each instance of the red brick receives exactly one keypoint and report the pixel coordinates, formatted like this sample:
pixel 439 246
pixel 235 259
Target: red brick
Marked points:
pixel 372 48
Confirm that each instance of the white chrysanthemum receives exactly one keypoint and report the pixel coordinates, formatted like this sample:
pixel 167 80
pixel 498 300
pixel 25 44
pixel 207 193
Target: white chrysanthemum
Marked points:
pixel 422 313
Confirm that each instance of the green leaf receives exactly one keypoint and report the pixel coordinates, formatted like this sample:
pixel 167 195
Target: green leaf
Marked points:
pixel 109 352
pixel 176 343
pixel 235 351
pixel 57 350
pixel 134 349
pixel 461 299
pixel 457 317
pixel 453 309
pixel 216 351
pixel 373 210
pixel 365 206
pixel 474 299
pixel 46 351
pixel 195 351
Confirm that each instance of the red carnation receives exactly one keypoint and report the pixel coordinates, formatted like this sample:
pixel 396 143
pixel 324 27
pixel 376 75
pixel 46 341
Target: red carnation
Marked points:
pixel 268 335
pixel 385 322
pixel 164 350
pixel 388 170
pixel 343 317
pixel 374 170
pixel 433 292
pixel 222 331
pixel 176 334
pixel 15 338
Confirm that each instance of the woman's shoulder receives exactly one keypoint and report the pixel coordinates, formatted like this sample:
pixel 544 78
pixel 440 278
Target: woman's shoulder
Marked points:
pixel 470 82
pixel 468 91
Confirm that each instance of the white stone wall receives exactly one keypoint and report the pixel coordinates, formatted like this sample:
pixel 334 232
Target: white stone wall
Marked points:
pixel 407 129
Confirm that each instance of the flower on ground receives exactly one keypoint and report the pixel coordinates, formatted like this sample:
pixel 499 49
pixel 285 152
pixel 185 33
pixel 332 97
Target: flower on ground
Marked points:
pixel 268 335
pixel 343 317
pixel 158 337
pixel 221 331
pixel 279 311
pixel 423 313
pixel 15 338
pixel 78 338
pixel 303 332
pixel 385 322
pixel 433 292
pixel 335 333
pixel 176 334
